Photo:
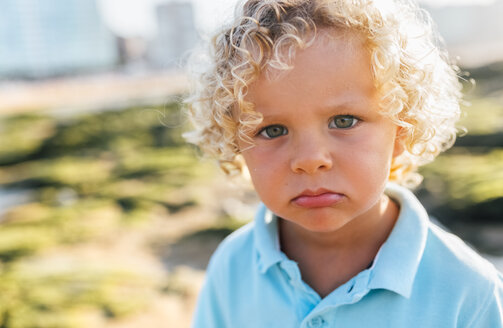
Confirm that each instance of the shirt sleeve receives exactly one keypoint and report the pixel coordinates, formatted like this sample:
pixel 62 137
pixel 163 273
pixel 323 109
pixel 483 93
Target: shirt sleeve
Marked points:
pixel 491 314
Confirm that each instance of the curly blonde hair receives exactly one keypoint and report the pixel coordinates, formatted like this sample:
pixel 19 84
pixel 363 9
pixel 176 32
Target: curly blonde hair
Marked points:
pixel 419 86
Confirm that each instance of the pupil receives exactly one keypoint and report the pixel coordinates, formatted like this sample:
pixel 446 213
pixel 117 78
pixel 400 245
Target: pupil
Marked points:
pixel 274 131
pixel 344 122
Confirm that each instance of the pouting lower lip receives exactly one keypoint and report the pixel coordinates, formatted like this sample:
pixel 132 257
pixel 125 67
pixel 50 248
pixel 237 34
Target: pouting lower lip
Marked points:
pixel 318 200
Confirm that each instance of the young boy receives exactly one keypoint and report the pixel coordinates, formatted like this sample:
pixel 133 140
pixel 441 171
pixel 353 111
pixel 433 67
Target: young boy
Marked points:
pixel 333 104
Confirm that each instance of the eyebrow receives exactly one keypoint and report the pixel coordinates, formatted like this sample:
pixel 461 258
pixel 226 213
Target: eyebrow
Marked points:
pixel 351 106
pixel 351 102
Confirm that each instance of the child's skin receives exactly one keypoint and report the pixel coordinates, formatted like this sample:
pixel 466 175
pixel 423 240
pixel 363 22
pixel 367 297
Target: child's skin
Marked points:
pixel 321 159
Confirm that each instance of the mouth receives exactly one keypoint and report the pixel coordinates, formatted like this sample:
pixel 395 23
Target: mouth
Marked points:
pixel 317 198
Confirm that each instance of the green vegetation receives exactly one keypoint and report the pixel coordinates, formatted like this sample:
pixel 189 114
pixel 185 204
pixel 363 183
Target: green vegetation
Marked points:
pixel 88 176
pixel 464 179
pixel 466 183
pixel 33 298
pixel 483 116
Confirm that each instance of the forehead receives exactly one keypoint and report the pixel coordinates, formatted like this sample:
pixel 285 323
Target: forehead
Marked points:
pixel 336 64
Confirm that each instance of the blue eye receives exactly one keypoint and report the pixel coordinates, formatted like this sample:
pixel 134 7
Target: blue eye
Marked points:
pixel 273 131
pixel 342 122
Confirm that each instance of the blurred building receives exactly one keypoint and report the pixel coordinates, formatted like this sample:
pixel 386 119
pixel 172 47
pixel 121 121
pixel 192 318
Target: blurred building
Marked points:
pixel 53 37
pixel 176 34
pixel 133 52
pixel 472 33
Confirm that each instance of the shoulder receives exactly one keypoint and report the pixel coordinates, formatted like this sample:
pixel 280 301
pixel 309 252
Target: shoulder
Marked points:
pixel 451 254
pixel 224 272
pixel 456 274
pixel 456 284
pixel 235 248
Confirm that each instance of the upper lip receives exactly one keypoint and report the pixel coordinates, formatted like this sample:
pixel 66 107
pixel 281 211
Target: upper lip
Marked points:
pixel 317 192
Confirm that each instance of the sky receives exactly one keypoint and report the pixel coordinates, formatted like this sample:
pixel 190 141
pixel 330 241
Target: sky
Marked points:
pixel 130 18
pixel 137 18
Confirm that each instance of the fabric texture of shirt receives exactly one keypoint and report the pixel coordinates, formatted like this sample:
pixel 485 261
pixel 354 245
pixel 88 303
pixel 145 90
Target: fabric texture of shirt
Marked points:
pixel 422 276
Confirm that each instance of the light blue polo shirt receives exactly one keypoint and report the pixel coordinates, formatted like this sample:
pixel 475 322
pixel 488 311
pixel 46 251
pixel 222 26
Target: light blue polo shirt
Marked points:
pixel 421 277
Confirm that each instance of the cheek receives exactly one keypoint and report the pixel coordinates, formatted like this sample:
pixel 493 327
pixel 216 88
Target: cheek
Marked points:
pixel 366 169
pixel 266 184
pixel 261 166
pixel 263 158
pixel 370 156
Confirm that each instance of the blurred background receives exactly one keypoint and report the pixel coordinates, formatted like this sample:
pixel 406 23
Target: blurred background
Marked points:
pixel 108 219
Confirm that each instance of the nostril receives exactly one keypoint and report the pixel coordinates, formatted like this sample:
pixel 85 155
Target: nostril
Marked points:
pixel 311 164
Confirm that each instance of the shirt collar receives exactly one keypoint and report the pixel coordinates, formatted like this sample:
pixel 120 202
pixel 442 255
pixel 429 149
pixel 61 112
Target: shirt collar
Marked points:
pixel 267 239
pixel 398 259
pixel 396 263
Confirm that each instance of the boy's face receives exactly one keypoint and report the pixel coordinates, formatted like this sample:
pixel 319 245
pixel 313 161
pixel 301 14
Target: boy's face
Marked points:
pixel 322 154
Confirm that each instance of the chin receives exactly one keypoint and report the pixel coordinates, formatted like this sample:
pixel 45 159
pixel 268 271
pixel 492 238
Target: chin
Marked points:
pixel 323 225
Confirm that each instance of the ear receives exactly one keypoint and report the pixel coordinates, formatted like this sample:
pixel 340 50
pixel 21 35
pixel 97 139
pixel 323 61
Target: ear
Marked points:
pixel 399 146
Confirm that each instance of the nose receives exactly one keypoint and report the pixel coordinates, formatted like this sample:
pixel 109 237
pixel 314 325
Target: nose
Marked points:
pixel 310 155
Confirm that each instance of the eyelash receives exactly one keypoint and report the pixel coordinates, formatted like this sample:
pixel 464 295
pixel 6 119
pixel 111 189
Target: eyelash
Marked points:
pixel 263 131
